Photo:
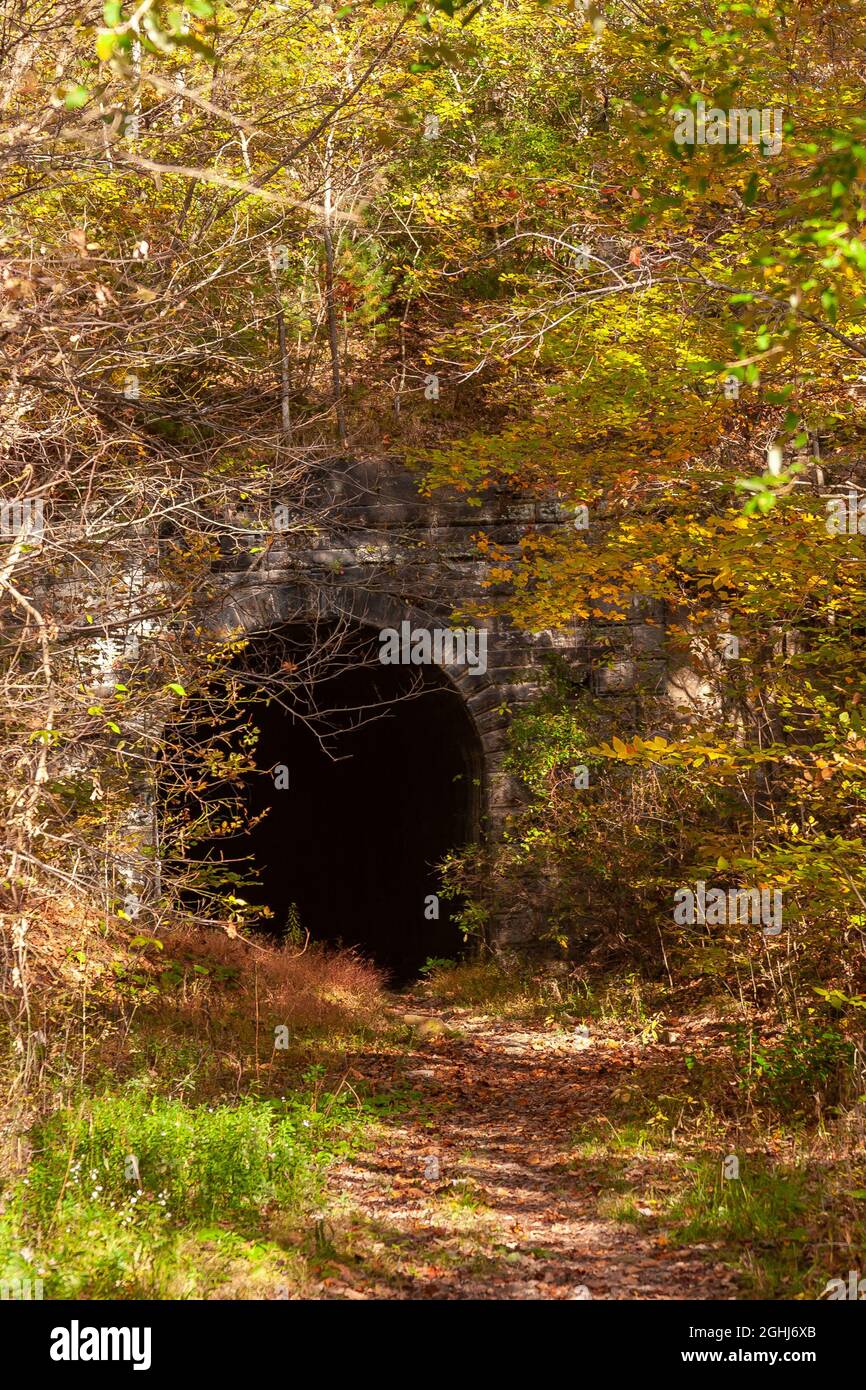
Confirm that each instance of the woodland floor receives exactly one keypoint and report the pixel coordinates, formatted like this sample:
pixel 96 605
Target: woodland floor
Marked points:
pixel 512 1213
pixel 481 1137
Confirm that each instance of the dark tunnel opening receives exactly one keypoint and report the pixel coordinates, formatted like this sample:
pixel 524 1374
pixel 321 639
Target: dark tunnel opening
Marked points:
pixel 368 775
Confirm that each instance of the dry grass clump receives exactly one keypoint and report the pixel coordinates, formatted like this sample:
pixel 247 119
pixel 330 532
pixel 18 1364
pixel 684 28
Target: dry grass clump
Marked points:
pixel 185 1011
pixel 316 989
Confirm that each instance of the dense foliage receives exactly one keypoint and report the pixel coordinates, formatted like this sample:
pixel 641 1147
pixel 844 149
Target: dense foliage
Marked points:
pixel 241 238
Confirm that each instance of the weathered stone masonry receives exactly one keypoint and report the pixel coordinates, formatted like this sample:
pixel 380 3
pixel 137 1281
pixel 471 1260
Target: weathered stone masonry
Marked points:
pixel 388 555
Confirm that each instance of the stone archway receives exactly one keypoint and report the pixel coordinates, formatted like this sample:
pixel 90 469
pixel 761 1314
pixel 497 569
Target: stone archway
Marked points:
pixel 255 608
pixel 368 778
pixel 384 554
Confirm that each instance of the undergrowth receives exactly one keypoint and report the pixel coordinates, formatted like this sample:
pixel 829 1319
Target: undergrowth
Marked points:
pixel 186 1096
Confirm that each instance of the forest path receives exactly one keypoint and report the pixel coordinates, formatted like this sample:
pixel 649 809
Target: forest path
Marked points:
pixel 478 1190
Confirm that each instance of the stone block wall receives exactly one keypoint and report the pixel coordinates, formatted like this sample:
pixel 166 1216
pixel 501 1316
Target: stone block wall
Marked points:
pixel 387 554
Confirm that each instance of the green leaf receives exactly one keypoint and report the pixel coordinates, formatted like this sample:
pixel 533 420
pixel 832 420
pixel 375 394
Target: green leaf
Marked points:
pixel 76 97
pixel 105 46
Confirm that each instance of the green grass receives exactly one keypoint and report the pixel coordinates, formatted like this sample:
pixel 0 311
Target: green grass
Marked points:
pixel 517 995
pixel 762 1221
pixel 464 1195
pixel 793 1219
pixel 137 1196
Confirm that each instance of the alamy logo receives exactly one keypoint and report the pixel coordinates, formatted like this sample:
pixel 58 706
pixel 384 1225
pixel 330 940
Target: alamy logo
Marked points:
pixel 445 646
pixel 695 125
pixel 854 1289
pixel 846 516
pixel 14 1290
pixel 716 907
pixel 76 1343
pixel 24 518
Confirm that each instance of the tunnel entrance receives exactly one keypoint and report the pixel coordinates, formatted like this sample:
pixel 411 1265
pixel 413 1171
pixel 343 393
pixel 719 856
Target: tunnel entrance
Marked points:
pixel 368 775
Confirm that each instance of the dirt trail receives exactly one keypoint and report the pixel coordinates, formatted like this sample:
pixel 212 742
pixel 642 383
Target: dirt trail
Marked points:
pixel 479 1195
